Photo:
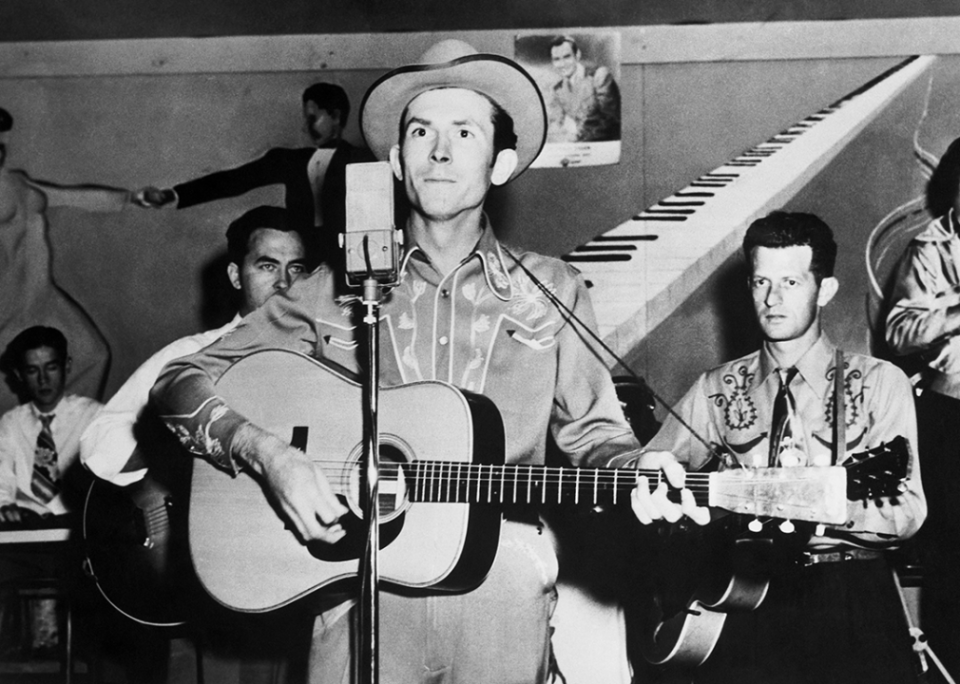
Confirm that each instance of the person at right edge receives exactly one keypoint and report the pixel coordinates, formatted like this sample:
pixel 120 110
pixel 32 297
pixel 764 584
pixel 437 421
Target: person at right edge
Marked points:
pixel 831 612
pixel 922 325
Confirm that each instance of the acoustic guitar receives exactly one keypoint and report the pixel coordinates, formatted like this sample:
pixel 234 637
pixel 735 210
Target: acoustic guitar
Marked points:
pixel 443 484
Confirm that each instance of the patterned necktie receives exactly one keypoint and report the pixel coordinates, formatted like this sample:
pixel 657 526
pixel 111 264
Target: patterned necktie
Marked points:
pixel 45 475
pixel 785 439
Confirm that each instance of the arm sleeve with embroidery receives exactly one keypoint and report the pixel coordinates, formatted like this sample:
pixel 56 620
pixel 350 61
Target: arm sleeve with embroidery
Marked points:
pixel 587 421
pixel 185 394
pixel 109 441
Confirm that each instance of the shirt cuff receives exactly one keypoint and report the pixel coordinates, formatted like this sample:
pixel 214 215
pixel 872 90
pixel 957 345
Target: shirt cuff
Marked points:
pixel 208 431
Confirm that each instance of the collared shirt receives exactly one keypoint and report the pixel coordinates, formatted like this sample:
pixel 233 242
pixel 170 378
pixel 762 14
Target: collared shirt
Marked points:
pixel 109 441
pixel 485 327
pixel 926 286
pixel 731 408
pixel 19 429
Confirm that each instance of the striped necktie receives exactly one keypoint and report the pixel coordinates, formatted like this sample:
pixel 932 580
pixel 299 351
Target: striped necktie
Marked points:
pixel 45 475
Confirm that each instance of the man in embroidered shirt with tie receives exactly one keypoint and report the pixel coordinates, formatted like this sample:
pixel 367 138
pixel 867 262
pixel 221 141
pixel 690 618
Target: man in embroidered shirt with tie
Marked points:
pixel 822 619
pixel 39 440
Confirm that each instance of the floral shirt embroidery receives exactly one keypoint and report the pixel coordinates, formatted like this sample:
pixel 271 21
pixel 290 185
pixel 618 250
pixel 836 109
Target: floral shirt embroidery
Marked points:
pixel 486 327
pixel 731 407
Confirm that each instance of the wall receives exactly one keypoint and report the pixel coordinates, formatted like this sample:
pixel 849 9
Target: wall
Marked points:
pixel 131 113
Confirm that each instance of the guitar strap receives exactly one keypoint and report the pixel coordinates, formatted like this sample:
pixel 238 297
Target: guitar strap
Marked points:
pixel 839 410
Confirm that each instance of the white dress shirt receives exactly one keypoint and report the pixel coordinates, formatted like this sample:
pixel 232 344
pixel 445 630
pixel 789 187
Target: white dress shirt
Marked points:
pixel 19 428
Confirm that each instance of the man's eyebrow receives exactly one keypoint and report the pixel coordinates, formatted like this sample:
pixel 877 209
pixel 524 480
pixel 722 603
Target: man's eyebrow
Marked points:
pixel 267 257
pixel 424 122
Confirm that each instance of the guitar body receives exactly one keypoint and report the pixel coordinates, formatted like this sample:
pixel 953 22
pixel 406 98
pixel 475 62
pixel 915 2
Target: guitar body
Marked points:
pixel 248 560
pixel 135 545
pixel 688 636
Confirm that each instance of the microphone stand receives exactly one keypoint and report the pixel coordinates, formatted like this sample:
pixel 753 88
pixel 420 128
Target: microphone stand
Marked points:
pixel 377 276
pixel 370 244
pixel 369 623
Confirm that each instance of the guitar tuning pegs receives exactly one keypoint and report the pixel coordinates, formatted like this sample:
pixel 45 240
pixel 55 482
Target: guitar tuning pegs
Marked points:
pixel 820 531
pixel 755 525
pixel 787 527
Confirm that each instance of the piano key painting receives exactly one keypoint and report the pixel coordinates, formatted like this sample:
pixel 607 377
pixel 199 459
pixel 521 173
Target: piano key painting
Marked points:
pixel 640 270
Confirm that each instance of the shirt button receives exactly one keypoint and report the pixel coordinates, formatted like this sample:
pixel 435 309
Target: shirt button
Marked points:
pixel 443 340
pixel 445 293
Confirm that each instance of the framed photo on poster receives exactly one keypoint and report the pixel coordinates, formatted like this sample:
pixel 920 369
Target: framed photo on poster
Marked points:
pixel 579 77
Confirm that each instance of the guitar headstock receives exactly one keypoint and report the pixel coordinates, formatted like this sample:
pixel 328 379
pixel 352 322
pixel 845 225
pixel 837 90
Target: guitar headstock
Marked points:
pixel 810 494
pixel 879 471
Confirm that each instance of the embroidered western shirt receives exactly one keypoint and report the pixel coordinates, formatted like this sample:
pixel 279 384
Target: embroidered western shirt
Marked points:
pixel 731 407
pixel 485 327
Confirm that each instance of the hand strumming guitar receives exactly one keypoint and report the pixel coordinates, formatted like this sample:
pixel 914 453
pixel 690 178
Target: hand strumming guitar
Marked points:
pixel 296 483
pixel 649 506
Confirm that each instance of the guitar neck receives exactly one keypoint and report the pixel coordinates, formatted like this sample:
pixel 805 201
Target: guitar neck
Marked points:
pixel 446 482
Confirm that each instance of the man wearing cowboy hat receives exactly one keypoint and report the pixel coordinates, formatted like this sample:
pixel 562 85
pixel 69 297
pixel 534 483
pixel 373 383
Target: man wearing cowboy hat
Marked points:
pixel 468 311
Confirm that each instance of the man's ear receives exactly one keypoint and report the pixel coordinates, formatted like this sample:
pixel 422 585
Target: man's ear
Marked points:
pixel 233 273
pixel 828 288
pixel 503 166
pixel 395 162
pixel 67 365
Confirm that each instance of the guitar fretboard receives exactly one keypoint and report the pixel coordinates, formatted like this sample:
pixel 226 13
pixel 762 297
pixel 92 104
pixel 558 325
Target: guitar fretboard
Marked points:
pixel 446 482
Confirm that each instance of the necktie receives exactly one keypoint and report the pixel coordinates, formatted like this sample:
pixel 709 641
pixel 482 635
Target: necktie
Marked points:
pixel 786 438
pixel 45 476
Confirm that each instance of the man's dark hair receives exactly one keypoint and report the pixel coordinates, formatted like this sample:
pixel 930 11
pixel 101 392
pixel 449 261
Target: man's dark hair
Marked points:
pixel 504 135
pixel 560 40
pixel 277 218
pixel 787 229
pixel 944 184
pixel 330 97
pixel 6 121
pixel 34 338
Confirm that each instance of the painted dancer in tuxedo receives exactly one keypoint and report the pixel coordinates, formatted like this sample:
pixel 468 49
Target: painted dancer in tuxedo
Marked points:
pixel 314 178
pixel 452 126
pixel 832 612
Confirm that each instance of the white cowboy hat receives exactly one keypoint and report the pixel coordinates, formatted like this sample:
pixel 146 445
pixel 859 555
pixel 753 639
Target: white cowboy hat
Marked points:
pixel 456 64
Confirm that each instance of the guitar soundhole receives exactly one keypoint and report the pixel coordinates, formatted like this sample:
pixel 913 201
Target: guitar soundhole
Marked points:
pixel 391 498
pixel 392 491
